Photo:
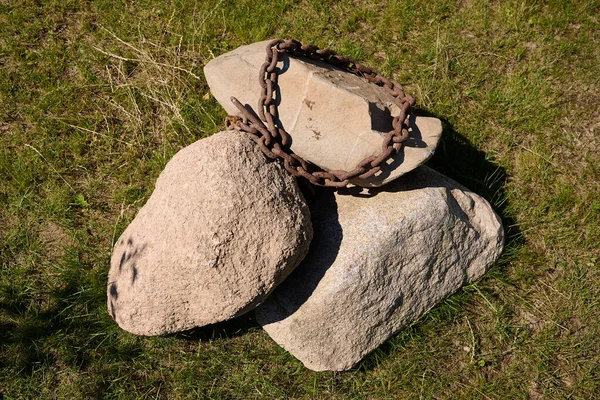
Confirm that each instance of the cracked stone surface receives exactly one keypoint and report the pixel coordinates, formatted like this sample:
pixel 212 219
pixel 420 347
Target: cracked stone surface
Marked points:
pixel 222 228
pixel 377 264
pixel 335 118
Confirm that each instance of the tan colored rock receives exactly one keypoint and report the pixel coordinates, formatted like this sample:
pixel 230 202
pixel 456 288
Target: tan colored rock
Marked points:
pixel 377 264
pixel 335 118
pixel 222 228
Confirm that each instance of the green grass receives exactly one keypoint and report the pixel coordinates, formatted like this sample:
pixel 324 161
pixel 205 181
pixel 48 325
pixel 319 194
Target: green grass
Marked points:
pixel 95 97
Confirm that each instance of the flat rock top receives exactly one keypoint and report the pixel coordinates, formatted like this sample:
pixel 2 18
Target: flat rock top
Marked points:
pixel 335 118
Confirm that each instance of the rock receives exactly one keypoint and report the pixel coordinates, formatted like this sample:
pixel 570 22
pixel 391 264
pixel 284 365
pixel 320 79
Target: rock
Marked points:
pixel 377 264
pixel 335 118
pixel 222 228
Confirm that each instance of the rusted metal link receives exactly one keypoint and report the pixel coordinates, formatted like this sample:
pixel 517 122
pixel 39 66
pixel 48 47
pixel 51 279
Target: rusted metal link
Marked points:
pixel 384 155
pixel 337 185
pixel 312 178
pixel 274 141
pixel 370 172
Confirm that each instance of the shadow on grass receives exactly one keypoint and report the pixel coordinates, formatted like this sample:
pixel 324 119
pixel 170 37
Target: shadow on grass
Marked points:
pixel 39 335
pixel 42 329
pixel 227 329
pixel 458 159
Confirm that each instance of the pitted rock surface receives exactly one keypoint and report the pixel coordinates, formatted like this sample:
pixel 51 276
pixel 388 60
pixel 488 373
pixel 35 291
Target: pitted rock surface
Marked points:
pixel 377 264
pixel 222 228
pixel 335 118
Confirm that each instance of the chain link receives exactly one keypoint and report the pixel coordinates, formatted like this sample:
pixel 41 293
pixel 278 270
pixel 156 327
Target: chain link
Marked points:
pixel 275 142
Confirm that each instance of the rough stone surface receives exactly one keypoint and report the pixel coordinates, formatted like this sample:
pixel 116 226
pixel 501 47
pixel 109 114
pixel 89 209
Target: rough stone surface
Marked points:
pixel 377 264
pixel 222 228
pixel 335 118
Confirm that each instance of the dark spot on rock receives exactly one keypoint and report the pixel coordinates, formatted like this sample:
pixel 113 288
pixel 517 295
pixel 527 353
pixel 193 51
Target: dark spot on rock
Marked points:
pixel 112 309
pixel 317 134
pixel 122 261
pixel 309 103
pixel 134 273
pixel 113 290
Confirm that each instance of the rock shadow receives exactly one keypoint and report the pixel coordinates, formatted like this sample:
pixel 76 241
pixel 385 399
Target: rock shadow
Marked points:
pixel 222 330
pixel 324 248
pixel 382 119
pixel 415 139
pixel 31 331
pixel 459 160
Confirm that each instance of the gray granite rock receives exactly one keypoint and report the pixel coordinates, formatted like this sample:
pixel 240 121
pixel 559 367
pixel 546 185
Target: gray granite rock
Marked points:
pixel 335 118
pixel 222 228
pixel 377 264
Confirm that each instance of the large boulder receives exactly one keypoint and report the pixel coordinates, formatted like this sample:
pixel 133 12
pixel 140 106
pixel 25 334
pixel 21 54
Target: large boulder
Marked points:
pixel 222 228
pixel 377 264
pixel 335 118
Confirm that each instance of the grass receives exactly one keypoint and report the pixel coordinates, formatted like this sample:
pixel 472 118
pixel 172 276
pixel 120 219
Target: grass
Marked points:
pixel 95 97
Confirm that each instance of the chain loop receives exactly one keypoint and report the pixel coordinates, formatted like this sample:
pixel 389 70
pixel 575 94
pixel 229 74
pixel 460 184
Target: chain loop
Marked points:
pixel 274 141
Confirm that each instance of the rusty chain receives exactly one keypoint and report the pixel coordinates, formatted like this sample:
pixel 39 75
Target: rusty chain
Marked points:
pixel 275 142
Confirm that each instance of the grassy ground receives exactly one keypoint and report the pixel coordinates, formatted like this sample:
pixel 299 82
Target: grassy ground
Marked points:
pixel 95 97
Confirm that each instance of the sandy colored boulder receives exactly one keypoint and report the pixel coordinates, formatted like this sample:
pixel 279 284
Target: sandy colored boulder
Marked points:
pixel 222 228
pixel 377 264
pixel 335 118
